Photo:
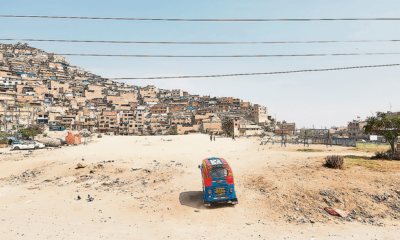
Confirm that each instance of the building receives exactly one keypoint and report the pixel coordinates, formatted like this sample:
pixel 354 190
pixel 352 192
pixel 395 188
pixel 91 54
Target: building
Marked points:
pixel 356 129
pixel 289 128
pixel 259 114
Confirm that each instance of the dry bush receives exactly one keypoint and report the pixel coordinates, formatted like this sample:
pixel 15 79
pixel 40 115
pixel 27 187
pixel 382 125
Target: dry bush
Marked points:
pixel 334 161
pixel 386 155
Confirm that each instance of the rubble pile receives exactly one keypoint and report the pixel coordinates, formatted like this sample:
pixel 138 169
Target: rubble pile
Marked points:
pixel 24 177
pixel 50 142
pixel 290 200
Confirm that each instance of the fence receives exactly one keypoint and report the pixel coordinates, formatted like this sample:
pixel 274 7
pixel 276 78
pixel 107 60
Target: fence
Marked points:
pixel 349 142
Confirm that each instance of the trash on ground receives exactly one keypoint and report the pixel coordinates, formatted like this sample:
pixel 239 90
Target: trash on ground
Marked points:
pixel 81 165
pixel 337 212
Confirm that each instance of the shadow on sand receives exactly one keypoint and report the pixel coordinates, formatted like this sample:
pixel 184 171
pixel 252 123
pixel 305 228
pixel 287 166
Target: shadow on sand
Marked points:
pixel 194 199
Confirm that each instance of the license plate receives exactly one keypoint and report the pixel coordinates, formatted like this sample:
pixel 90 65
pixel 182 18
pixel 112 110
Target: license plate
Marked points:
pixel 220 191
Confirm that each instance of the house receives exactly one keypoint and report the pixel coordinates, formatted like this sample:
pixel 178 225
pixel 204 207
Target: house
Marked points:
pixel 188 129
pixel 290 128
pixel 161 109
pixel 259 114
pixel 356 129
pixel 42 117
pixel 251 130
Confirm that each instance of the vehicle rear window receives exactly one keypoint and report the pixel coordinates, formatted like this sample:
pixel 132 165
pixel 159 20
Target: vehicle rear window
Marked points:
pixel 218 173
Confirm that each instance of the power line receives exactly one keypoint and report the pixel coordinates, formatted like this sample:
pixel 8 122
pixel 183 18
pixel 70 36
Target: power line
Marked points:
pixel 266 73
pixel 222 56
pixel 146 42
pixel 209 20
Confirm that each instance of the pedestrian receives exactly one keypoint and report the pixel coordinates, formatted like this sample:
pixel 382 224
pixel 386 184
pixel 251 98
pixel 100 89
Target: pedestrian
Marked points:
pixel 211 137
pixel 233 137
pixel 214 138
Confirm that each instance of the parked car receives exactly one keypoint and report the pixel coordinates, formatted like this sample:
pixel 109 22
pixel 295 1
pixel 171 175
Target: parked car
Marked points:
pixel 361 141
pixel 27 145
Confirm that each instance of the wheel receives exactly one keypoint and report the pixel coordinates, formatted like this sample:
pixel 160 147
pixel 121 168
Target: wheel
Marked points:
pixel 234 201
pixel 16 148
pixel 36 147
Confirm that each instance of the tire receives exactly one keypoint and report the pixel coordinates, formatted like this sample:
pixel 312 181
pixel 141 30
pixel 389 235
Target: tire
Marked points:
pixel 16 148
pixel 36 147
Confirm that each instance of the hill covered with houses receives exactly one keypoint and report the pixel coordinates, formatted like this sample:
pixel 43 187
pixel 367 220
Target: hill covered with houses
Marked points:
pixel 37 87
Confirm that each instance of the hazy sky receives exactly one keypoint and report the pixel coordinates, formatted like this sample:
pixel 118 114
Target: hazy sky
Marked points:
pixel 320 99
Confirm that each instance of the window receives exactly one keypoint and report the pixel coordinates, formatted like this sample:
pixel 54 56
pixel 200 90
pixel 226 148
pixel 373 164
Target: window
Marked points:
pixel 218 173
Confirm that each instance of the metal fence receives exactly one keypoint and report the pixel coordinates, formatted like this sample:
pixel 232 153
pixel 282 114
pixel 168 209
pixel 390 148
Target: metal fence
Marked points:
pixel 349 142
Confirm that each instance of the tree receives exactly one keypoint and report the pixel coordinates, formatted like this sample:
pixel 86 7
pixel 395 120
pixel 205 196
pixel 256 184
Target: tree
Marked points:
pixel 242 131
pixel 304 132
pixel 173 131
pixel 386 125
pixel 32 131
pixel 227 126
pixel 28 132
pixel 267 128
pixel 3 137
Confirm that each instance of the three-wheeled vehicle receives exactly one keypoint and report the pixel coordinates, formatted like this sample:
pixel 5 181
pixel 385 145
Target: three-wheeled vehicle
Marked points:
pixel 218 185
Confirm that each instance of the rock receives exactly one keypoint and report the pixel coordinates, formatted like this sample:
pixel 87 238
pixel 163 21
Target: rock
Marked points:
pixel 248 223
pixel 327 192
pixel 51 142
pixel 81 165
pixel 135 169
pixel 196 210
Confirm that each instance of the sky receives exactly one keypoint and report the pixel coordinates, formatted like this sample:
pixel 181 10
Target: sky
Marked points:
pixel 319 99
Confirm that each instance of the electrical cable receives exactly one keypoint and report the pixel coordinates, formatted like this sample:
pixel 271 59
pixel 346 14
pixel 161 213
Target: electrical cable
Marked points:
pixel 265 73
pixel 222 56
pixel 146 42
pixel 207 20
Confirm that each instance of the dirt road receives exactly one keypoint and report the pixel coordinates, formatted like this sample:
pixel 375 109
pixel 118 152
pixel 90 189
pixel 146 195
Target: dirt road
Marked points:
pixel 150 188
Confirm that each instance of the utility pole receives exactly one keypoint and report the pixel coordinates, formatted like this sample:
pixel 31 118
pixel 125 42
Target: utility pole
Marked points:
pixel 19 115
pixel 29 113
pixel 12 118
pixel 283 139
pixel 5 116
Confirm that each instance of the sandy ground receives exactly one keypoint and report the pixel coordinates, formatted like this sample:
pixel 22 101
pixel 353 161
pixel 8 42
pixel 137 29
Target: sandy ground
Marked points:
pixel 278 191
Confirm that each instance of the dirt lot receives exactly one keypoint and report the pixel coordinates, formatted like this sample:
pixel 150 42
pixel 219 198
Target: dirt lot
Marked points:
pixel 150 188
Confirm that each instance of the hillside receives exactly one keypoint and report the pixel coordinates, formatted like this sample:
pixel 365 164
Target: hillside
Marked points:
pixel 41 87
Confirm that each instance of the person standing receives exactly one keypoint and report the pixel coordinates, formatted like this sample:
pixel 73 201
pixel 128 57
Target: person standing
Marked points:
pixel 214 138
pixel 211 137
pixel 233 137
